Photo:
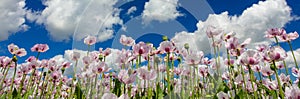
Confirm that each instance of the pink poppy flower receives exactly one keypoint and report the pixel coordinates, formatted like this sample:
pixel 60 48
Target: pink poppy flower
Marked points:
pixel 100 67
pixel 34 64
pixel 177 71
pixel 203 71
pixel 75 55
pixel 90 40
pixel 125 78
pixel 56 75
pixel 15 50
pixel 31 58
pixel 289 37
pixel 233 43
pixel 144 74
pixel 271 85
pixel 166 47
pixel 206 61
pixel 276 53
pixel 66 64
pixel 40 48
pixel 296 72
pixel 256 68
pixel 284 79
pixel 127 41
pixel 217 43
pixel 225 76
pixel 262 48
pixel 141 48
pixel 20 52
pixel 266 71
pixel 194 57
pixel 113 96
pixel 12 48
pixel 274 32
pixel 212 31
pixel 222 95
pixel 229 62
pixel 292 92
pixel 250 57
pixel 86 60
pixel 227 36
pixel 249 86
pixel 106 52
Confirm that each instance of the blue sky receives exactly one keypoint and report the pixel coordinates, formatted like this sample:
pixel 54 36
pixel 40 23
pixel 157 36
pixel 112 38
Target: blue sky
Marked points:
pixel 42 30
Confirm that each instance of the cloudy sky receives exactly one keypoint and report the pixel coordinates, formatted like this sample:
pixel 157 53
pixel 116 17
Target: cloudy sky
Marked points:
pixel 62 24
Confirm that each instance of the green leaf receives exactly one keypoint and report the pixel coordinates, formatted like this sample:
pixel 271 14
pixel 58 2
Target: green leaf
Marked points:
pixel 78 92
pixel 117 88
pixel 15 93
pixel 240 94
pixel 209 96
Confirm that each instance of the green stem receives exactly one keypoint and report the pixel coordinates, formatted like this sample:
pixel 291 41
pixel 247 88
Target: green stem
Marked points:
pixel 286 69
pixel 293 55
pixel 5 74
pixel 168 75
pixel 278 81
pixel 11 86
pixel 252 81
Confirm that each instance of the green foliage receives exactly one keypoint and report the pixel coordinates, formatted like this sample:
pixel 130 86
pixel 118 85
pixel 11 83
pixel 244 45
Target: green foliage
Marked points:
pixel 117 88
pixel 78 92
pixel 15 93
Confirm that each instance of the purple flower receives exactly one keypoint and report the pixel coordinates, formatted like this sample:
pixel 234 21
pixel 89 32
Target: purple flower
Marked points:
pixel 66 64
pixel 289 37
pixel 127 41
pixel 141 48
pixel 233 43
pixel 203 70
pixel 292 92
pixel 145 74
pixel 90 40
pixel 274 32
pixel 250 57
pixel 194 57
pixel 222 95
pixel 40 48
pixel 106 52
pixel 15 50
pixel 166 47
pixel 212 31
pixel 266 71
pixel 271 85
pixel 75 55
pixel 100 67
pixel 227 36
pixel 125 78
pixel 276 53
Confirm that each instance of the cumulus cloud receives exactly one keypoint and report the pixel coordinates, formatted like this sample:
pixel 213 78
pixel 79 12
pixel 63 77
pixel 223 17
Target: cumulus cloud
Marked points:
pixel 252 23
pixel 12 17
pixel 160 10
pixel 62 18
pixel 131 10
pixel 290 60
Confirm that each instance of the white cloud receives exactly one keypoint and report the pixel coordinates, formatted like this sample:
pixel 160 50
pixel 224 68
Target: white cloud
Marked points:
pixel 290 60
pixel 12 17
pixel 160 10
pixel 131 10
pixel 93 17
pixel 252 23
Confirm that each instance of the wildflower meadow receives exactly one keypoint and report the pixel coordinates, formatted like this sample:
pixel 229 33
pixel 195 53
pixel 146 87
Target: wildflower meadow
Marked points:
pixel 165 72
